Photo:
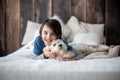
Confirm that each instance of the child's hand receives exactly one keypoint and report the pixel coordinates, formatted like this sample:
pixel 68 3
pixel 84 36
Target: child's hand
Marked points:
pixel 52 55
pixel 49 54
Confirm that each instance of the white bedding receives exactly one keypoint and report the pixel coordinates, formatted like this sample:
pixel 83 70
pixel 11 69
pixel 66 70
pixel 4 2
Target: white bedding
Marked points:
pixel 20 65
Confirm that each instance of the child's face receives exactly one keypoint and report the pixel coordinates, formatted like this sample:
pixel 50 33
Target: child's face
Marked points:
pixel 48 35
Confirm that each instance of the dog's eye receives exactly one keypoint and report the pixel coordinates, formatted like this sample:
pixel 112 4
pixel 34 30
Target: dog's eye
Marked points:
pixel 60 45
pixel 54 45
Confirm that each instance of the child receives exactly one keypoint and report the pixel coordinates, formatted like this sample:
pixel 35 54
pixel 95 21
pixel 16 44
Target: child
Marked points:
pixel 50 30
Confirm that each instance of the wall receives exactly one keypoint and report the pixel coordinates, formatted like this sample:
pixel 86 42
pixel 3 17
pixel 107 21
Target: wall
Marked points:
pixel 15 13
pixel 113 22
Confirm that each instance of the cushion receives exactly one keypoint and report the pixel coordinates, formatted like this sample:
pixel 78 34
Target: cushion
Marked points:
pixel 87 38
pixel 85 34
pixel 66 31
pixel 91 34
pixel 114 51
pixel 31 29
pixel 94 28
pixel 75 27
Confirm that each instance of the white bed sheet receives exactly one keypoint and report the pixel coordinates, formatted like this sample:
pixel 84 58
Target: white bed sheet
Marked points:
pixel 20 65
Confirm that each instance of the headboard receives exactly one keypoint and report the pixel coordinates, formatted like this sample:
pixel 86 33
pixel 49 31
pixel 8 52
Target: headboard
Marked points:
pixel 16 15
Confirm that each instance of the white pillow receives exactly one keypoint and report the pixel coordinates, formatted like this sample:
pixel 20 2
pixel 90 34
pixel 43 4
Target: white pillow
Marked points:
pixel 94 28
pixel 66 31
pixel 87 38
pixel 31 30
pixel 75 27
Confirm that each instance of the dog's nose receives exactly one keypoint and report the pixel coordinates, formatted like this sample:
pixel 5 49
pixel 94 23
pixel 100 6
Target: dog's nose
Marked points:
pixel 60 45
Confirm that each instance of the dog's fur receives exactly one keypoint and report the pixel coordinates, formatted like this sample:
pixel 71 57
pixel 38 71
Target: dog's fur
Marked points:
pixel 60 48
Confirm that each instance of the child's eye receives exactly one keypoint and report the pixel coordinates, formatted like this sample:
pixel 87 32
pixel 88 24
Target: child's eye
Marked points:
pixel 45 32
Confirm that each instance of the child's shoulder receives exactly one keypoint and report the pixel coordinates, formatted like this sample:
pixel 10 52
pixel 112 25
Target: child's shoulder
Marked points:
pixel 38 38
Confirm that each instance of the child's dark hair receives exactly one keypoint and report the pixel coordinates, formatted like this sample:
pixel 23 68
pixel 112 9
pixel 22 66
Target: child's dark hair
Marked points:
pixel 54 25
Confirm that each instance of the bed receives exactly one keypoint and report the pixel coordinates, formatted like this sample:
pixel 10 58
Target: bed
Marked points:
pixel 21 64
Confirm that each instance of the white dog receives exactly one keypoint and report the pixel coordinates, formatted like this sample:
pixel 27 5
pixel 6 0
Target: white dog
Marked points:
pixel 60 48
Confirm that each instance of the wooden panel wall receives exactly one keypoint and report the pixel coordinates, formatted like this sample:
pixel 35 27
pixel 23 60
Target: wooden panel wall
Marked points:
pixel 9 26
pixel 2 27
pixel 12 25
pixel 62 8
pixel 78 9
pixel 95 11
pixel 15 14
pixel 113 22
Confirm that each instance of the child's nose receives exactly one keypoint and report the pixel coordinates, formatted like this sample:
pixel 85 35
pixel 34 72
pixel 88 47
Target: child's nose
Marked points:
pixel 48 36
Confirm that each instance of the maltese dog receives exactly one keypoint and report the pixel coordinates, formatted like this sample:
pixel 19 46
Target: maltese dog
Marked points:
pixel 60 48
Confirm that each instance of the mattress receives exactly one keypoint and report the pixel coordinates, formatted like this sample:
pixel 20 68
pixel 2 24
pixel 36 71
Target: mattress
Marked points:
pixel 21 65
